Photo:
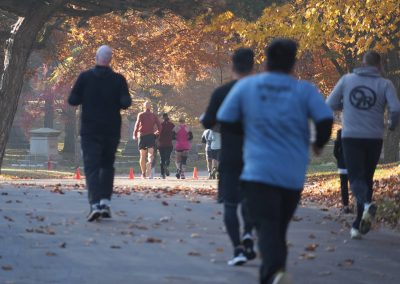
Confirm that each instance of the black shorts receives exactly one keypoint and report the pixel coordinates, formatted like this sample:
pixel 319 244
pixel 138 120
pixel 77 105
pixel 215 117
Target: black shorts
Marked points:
pixel 147 141
pixel 229 188
pixel 215 154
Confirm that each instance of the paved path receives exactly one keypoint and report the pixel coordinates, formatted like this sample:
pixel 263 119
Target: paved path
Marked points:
pixel 164 238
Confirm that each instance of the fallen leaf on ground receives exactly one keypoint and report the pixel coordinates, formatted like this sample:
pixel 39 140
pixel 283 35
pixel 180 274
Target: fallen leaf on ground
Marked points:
pixel 311 247
pixel 296 218
pixel 7 267
pixel 63 245
pixel 194 253
pixel 195 235
pixel 153 240
pixel 330 249
pixel 49 253
pixel 325 273
pixel 346 263
pixel 165 203
pixel 115 247
pixel 9 219
pixel 307 256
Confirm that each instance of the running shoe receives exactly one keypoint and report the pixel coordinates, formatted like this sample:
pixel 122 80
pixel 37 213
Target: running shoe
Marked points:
pixel 95 212
pixel 238 257
pixel 105 208
pixel 367 218
pixel 355 234
pixel 248 244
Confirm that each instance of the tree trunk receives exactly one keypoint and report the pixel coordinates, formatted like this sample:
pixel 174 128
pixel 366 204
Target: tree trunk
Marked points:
pixel 49 112
pixel 70 131
pixel 392 138
pixel 19 47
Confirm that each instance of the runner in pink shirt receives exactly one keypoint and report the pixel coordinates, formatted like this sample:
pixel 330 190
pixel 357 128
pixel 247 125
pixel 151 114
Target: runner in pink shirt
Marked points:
pixel 183 135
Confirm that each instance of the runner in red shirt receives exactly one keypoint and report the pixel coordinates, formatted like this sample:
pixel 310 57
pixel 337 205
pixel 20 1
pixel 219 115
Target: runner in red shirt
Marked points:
pixel 146 127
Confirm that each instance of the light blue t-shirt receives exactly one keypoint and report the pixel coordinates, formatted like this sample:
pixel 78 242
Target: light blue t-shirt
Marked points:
pixel 275 109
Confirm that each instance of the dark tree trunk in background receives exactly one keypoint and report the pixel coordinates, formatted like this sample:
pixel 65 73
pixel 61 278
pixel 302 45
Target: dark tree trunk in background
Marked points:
pixel 49 112
pixel 19 47
pixel 70 131
pixel 392 138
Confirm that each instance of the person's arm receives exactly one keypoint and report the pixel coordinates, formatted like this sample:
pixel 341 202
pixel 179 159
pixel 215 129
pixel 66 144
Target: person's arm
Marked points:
pixel 76 96
pixel 393 105
pixel 157 123
pixel 125 99
pixel 336 149
pixel 209 119
pixel 190 134
pixel 174 132
pixel 230 113
pixel 136 129
pixel 335 99
pixel 322 117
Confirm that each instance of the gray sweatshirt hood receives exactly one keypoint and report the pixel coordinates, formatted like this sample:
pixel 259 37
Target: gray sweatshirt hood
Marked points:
pixel 368 71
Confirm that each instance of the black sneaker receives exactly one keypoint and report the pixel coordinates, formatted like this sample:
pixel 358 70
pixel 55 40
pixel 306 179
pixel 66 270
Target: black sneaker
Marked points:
pixel 167 172
pixel 95 213
pixel 367 218
pixel 105 211
pixel 238 257
pixel 248 244
pixel 213 173
pixel 178 174
pixel 182 175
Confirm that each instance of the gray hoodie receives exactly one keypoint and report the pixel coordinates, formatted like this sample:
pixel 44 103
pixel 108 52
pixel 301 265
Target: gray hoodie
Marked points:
pixel 363 96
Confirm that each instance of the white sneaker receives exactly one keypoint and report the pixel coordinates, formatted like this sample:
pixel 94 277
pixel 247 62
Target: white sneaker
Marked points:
pixel 239 257
pixel 355 234
pixel 282 278
pixel 237 260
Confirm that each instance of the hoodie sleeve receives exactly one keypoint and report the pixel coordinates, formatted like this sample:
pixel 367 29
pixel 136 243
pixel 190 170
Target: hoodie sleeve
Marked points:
pixel 76 96
pixel 125 100
pixel 393 105
pixel 335 99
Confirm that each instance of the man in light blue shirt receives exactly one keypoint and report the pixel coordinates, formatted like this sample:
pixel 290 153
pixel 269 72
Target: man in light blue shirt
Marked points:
pixel 274 109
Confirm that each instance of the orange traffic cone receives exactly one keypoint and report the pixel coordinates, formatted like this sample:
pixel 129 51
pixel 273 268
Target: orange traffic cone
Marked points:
pixel 131 173
pixel 78 174
pixel 195 176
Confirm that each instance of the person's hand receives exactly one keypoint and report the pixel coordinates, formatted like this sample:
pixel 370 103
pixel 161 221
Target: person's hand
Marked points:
pixel 134 137
pixel 317 150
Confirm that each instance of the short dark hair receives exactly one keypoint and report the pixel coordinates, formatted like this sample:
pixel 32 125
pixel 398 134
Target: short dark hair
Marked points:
pixel 243 60
pixel 372 58
pixel 165 115
pixel 281 55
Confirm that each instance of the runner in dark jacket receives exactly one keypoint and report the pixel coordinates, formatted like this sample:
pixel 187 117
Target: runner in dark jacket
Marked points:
pixel 165 144
pixel 102 94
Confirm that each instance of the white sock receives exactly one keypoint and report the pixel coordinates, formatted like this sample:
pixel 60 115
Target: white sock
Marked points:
pixel 105 202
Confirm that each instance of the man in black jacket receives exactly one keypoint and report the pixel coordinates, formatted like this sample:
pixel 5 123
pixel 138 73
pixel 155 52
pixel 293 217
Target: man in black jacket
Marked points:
pixel 231 164
pixel 102 94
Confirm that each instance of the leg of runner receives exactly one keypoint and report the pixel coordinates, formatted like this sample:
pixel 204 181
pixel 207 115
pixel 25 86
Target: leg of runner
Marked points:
pixel 150 157
pixel 143 155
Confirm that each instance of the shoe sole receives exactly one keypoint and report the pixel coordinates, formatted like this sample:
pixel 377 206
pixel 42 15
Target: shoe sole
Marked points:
pixel 355 236
pixel 238 262
pixel 367 218
pixel 94 216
